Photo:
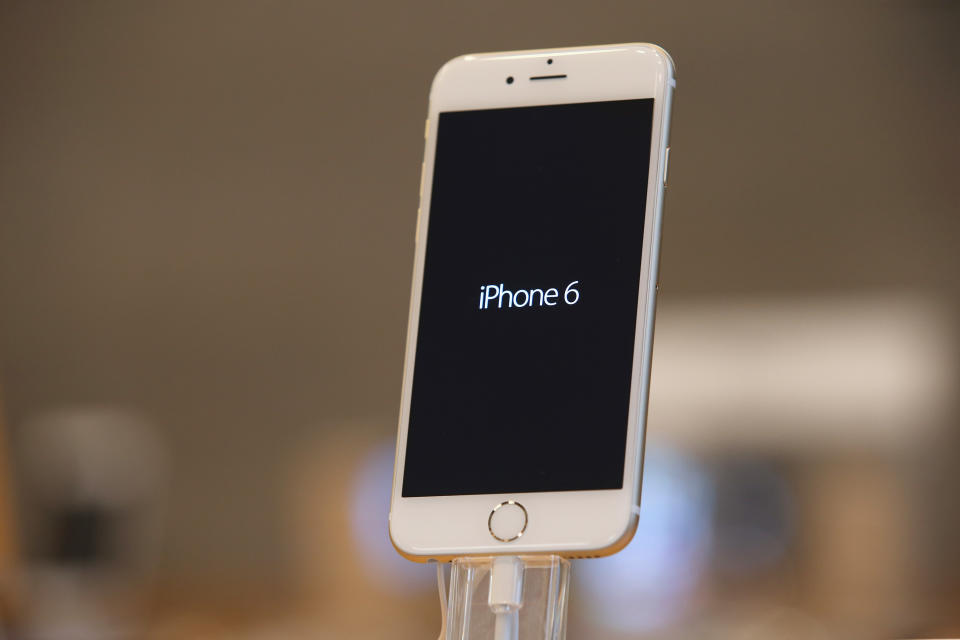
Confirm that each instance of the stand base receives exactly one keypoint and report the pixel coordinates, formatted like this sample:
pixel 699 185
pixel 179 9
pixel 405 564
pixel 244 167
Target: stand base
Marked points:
pixel 542 612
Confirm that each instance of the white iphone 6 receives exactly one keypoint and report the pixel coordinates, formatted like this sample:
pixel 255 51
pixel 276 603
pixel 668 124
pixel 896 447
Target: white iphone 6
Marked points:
pixel 532 307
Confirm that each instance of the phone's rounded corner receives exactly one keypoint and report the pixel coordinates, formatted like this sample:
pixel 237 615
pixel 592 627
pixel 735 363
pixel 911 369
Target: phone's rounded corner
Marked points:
pixel 665 60
pixel 401 547
pixel 620 538
pixel 445 69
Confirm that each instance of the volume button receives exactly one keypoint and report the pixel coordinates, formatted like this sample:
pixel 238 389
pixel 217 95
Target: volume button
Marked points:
pixel 666 166
pixel 423 167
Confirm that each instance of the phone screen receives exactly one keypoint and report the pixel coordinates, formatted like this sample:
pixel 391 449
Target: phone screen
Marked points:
pixel 528 309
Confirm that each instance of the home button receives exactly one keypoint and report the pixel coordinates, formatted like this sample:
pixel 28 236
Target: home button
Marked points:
pixel 507 521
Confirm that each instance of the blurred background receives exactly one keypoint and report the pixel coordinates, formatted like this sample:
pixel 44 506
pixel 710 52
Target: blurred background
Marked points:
pixel 206 240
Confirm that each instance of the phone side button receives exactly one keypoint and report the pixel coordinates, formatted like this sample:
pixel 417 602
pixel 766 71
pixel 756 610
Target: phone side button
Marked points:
pixel 507 521
pixel 666 165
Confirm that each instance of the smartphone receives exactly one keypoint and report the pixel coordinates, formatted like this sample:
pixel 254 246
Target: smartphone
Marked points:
pixel 531 313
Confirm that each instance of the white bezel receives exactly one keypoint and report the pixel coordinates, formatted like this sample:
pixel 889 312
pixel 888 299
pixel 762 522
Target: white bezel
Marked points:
pixel 573 523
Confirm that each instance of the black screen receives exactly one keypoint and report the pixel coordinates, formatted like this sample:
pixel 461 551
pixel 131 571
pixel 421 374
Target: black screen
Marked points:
pixel 529 302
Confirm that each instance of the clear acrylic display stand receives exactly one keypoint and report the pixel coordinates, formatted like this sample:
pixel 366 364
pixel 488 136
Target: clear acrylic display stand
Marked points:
pixel 507 598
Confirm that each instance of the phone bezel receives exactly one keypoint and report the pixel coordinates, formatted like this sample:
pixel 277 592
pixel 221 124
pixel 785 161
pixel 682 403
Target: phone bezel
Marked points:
pixel 572 523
